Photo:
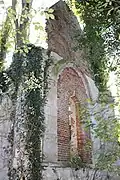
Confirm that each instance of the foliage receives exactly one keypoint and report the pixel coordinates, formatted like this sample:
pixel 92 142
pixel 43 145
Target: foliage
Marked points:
pixel 76 162
pixel 16 27
pixel 93 41
pixel 35 95
pixel 13 33
pixel 5 33
pixel 30 72
pixel 101 41
pixel 4 82
pixel 100 36
pixel 104 126
pixel 105 15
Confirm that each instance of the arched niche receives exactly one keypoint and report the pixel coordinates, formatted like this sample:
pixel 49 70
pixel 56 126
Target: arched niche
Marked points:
pixel 71 95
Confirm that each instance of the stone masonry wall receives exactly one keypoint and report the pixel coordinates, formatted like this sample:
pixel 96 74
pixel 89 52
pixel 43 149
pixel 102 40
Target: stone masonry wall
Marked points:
pixel 63 34
pixel 53 172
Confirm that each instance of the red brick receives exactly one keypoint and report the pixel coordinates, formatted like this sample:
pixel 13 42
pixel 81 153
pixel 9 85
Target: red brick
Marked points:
pixel 68 83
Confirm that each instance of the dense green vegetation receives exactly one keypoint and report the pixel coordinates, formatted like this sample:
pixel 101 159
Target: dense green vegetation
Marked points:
pixel 101 36
pixel 101 39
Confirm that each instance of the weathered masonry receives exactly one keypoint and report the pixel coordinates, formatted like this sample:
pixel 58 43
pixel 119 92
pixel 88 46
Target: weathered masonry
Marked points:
pixel 70 87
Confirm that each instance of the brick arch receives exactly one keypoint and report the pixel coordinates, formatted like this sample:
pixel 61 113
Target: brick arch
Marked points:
pixel 69 85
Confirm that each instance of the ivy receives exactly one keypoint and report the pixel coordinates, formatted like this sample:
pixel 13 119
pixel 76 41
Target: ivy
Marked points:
pixel 35 95
pixel 28 71
pixel 93 40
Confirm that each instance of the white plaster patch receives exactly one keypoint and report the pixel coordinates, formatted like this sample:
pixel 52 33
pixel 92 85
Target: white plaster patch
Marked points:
pixel 55 56
pixel 92 88
pixel 50 136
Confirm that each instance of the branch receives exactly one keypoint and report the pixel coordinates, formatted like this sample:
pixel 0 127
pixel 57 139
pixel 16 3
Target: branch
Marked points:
pixel 24 21
pixel 4 37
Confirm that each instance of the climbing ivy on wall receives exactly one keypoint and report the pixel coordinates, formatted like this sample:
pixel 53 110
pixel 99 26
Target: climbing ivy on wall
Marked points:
pixel 29 71
pixel 93 40
pixel 35 95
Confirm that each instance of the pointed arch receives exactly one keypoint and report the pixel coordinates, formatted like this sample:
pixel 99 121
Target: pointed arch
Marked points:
pixel 71 94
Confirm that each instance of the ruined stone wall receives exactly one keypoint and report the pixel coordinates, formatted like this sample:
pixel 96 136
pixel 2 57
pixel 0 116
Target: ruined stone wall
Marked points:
pixel 64 34
pixel 72 78
pixel 55 172
pixel 5 125
pixel 69 82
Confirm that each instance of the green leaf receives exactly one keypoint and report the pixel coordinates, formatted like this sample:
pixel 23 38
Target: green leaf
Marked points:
pixel 28 1
pixel 38 27
pixel 51 10
pixel 47 15
pixel 51 16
